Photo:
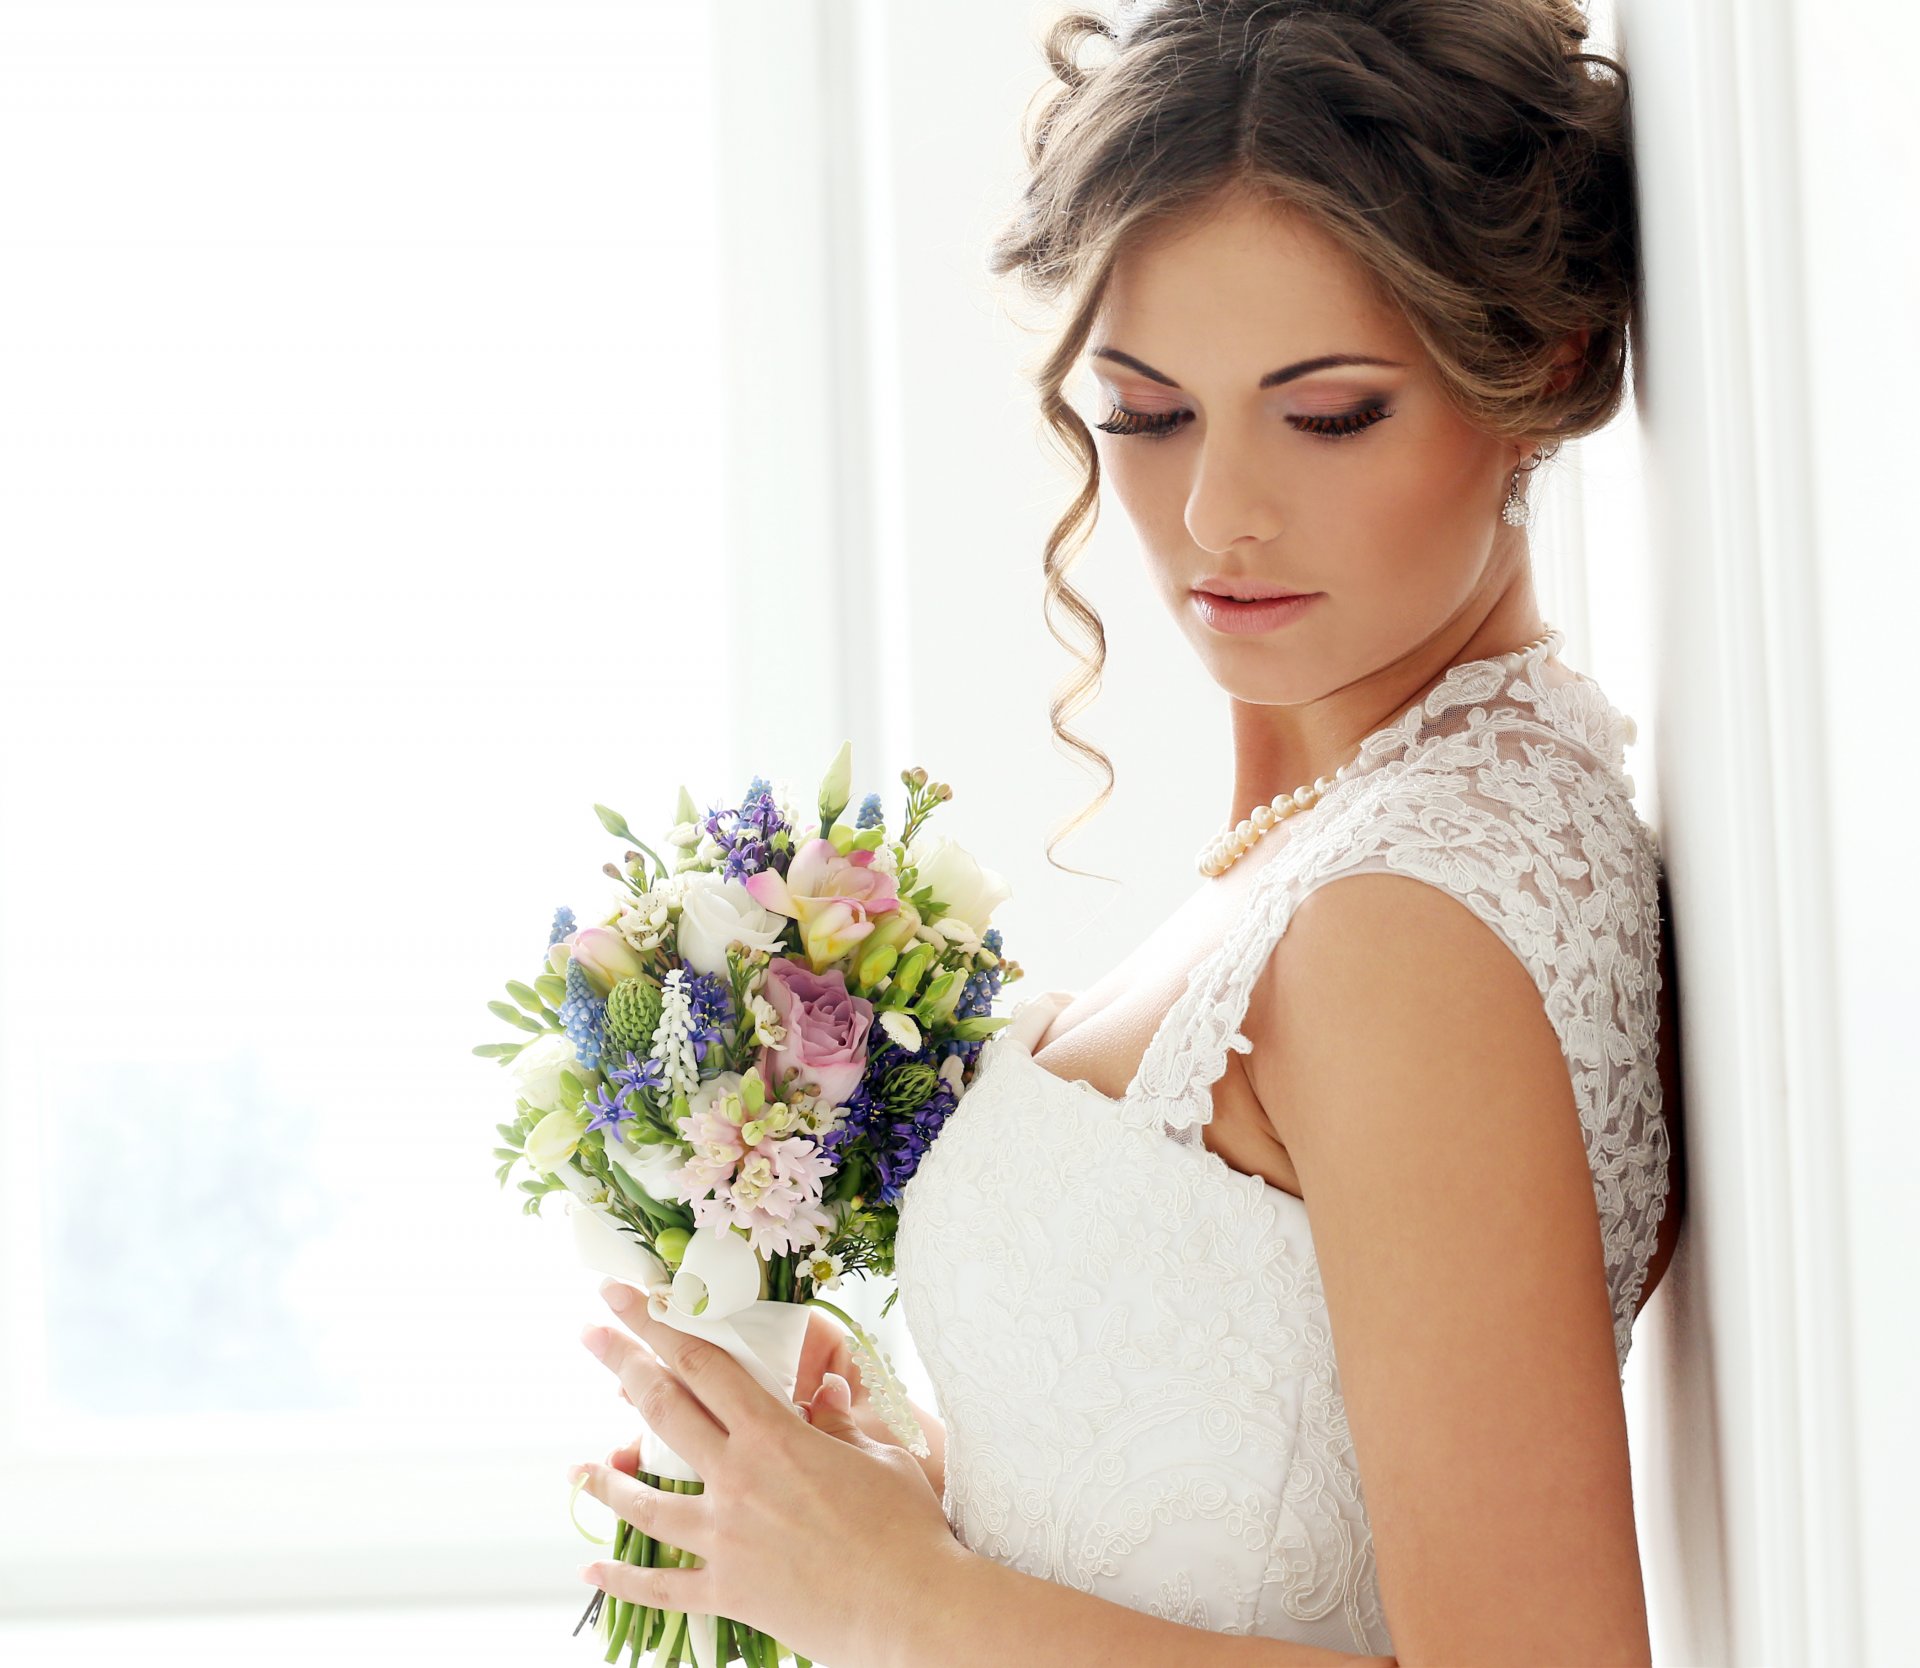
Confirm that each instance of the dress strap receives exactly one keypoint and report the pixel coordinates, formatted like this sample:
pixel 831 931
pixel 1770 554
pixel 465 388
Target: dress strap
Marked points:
pixel 1187 1055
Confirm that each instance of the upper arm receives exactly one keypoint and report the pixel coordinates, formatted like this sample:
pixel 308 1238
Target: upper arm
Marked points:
pixel 1408 1063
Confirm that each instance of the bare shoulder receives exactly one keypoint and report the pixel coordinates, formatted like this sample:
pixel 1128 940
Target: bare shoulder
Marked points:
pixel 1407 1061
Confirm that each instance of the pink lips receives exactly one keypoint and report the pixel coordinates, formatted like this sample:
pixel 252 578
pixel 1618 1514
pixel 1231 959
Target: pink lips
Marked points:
pixel 1225 614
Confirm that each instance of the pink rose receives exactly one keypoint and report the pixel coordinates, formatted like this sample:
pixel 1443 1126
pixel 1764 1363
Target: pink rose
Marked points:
pixel 826 1026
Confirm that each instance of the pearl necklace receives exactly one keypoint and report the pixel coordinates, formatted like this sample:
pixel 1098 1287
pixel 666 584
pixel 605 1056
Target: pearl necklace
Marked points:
pixel 1234 841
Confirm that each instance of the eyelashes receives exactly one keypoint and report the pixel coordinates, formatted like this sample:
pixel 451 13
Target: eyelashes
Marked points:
pixel 1158 427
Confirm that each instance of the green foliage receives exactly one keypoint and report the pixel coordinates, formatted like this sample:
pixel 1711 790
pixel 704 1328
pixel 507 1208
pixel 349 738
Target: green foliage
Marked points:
pixel 529 999
pixel 513 1016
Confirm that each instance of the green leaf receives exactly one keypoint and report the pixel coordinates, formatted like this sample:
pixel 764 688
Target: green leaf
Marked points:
pixel 499 1050
pixel 509 1153
pixel 513 1016
pixel 509 1132
pixel 534 1187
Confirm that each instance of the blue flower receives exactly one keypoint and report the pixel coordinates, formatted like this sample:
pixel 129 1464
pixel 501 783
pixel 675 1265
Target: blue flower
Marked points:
pixel 562 925
pixel 870 815
pixel 709 1012
pixel 745 836
pixel 637 1073
pixel 606 1108
pixel 584 1015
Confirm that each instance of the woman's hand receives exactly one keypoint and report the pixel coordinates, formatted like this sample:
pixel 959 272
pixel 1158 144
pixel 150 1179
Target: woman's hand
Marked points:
pixel 806 1528
pixel 829 1349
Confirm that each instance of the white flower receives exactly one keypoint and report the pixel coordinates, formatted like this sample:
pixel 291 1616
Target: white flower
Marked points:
pixel 536 1069
pixel 685 835
pixel 551 1142
pixel 654 1165
pixel 716 913
pixel 768 1032
pixel 823 1268
pixel 644 922
pixel 901 1028
pixel 884 858
pixel 968 889
pixel 952 1069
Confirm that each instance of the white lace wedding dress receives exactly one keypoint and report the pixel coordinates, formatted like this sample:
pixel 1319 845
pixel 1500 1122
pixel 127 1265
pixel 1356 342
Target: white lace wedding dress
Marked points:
pixel 1126 1336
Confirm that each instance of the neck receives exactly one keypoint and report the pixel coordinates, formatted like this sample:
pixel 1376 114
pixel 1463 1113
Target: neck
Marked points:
pixel 1279 748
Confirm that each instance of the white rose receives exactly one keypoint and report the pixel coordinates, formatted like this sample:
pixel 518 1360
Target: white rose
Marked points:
pixel 536 1069
pixel 712 916
pixel 654 1165
pixel 968 889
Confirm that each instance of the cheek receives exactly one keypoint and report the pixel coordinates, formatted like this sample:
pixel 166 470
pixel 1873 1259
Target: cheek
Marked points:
pixel 1152 494
pixel 1420 528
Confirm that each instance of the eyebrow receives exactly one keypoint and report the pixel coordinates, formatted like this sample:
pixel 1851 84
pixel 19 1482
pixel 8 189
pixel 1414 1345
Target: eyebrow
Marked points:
pixel 1273 379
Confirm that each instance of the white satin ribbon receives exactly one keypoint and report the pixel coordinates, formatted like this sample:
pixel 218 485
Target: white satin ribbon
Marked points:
pixel 763 1335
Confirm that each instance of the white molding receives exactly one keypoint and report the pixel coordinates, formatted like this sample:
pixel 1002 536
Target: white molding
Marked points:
pixel 1759 1456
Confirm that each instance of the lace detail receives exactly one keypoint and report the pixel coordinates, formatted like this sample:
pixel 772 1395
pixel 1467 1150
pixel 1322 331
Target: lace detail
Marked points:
pixel 1127 1336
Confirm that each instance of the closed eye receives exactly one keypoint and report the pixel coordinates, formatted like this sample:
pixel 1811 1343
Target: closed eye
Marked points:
pixel 1159 425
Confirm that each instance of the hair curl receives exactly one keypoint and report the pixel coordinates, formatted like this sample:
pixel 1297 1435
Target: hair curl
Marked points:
pixel 1464 152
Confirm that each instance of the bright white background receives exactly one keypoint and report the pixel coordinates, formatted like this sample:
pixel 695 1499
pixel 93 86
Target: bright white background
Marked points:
pixel 423 419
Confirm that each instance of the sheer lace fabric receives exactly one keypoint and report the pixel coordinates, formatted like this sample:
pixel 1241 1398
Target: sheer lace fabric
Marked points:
pixel 1127 1336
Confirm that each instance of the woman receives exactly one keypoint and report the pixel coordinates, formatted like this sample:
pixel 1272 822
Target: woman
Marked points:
pixel 1342 274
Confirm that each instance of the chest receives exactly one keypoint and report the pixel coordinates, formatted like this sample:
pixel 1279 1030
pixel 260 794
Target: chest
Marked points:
pixel 1102 1035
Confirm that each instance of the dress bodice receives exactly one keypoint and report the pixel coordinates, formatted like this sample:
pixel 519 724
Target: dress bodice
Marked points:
pixel 1126 1336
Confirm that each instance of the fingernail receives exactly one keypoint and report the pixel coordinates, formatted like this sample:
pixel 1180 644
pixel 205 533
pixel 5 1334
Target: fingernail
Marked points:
pixel 596 1338
pixel 615 1293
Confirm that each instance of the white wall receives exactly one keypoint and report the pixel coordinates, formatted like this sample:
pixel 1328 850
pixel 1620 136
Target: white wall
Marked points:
pixel 1780 182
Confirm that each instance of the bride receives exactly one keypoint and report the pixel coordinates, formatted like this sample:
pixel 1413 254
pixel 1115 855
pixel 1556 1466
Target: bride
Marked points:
pixel 1282 1283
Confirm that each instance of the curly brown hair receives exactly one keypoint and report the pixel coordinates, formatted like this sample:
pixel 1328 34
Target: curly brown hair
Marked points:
pixel 1466 153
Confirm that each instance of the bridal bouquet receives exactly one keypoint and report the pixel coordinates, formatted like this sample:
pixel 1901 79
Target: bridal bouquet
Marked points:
pixel 731 1073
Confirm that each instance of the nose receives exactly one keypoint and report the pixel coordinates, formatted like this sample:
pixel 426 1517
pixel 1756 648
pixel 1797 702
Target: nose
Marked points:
pixel 1235 494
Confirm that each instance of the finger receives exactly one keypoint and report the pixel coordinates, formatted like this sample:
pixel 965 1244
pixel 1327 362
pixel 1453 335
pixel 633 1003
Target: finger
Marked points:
pixel 681 1520
pixel 666 1406
pixel 690 1590
pixel 724 1387
pixel 625 1459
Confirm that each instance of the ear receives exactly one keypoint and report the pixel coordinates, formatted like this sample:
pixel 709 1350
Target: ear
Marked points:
pixel 1566 362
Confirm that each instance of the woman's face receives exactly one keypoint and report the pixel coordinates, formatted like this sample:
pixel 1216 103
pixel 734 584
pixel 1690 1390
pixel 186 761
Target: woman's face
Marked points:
pixel 1356 483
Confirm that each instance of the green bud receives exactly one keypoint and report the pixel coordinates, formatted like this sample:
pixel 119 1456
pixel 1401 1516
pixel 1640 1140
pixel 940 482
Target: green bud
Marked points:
pixel 837 787
pixel 552 988
pixel 908 1086
pixel 942 996
pixel 513 1016
pixel 753 1132
pixel 868 839
pixel 616 825
pixel 670 1244
pixel 684 809
pixel 633 1011
pixel 913 968
pixel 753 1092
pixel 874 964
